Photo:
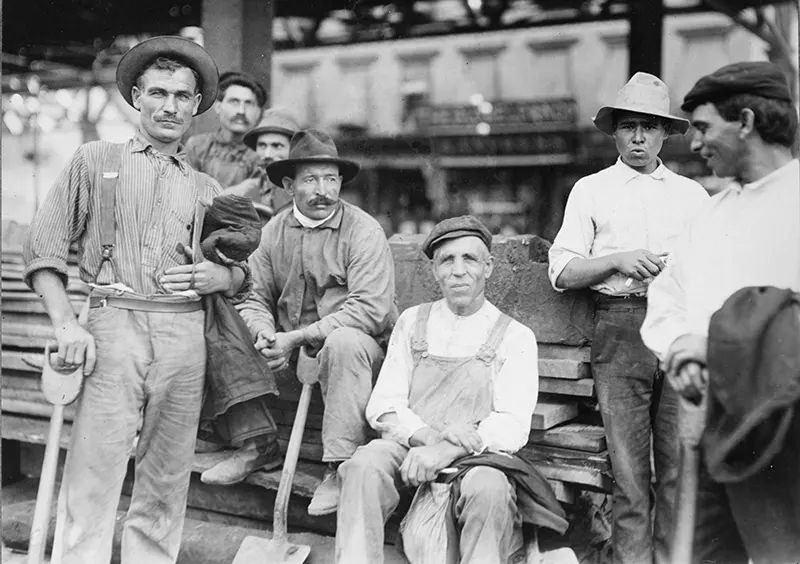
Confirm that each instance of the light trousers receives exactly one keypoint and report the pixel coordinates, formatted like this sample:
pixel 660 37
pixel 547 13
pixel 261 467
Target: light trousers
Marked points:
pixel 150 366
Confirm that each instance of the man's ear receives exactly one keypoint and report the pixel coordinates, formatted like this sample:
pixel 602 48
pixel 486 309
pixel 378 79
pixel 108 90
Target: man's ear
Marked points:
pixel 489 266
pixel 287 184
pixel 135 95
pixel 747 122
pixel 197 98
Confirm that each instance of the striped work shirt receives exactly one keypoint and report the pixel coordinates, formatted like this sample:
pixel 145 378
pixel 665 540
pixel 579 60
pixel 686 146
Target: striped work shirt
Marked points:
pixel 156 196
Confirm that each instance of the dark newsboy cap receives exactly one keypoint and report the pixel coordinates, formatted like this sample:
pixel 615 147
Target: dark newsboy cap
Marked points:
pixel 756 78
pixel 453 228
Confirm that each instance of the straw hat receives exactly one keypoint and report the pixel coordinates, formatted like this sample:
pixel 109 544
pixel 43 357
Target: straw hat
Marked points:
pixel 311 146
pixel 275 120
pixel 174 47
pixel 643 94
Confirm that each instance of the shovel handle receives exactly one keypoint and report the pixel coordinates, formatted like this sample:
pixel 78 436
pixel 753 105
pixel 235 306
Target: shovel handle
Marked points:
pixel 44 496
pixel 686 497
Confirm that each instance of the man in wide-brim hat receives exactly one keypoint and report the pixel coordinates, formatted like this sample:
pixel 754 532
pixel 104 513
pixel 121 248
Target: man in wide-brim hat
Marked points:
pixel 323 279
pixel 620 226
pixel 141 345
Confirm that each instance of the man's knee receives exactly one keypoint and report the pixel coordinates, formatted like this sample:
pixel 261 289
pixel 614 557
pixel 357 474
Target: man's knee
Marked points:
pixel 367 465
pixel 349 342
pixel 486 488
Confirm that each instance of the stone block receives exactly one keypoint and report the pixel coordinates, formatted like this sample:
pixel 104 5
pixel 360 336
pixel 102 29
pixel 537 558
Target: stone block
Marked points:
pixel 519 286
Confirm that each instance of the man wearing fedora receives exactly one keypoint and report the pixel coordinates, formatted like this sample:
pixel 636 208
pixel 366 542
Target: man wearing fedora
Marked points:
pixel 712 317
pixel 270 140
pixel 323 279
pixel 620 226
pixel 222 154
pixel 142 346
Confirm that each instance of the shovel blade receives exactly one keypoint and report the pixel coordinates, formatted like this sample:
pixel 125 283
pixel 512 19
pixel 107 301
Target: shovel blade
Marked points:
pixel 258 550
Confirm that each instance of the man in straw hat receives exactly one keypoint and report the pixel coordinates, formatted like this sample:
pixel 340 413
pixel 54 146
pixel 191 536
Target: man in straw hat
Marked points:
pixel 221 154
pixel 748 235
pixel 459 378
pixel 143 347
pixel 323 278
pixel 620 225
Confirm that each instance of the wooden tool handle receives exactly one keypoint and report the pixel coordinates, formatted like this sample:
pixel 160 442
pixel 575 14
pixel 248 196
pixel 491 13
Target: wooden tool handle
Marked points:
pixel 44 497
pixel 686 503
pixel 290 465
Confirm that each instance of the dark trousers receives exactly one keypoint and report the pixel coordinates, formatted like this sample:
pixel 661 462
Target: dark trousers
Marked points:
pixel 639 414
pixel 758 518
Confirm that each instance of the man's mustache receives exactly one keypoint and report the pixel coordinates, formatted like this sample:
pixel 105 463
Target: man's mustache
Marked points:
pixel 321 201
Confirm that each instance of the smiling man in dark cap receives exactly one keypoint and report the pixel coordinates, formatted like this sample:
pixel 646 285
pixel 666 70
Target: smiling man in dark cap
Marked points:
pixel 460 377
pixel 142 344
pixel 323 279
pixel 744 124
pixel 620 225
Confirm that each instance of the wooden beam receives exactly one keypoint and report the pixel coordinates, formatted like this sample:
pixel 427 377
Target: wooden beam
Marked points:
pixel 646 36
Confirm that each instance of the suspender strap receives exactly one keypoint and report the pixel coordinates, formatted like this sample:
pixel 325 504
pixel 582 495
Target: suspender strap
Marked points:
pixel 419 339
pixel 488 350
pixel 108 200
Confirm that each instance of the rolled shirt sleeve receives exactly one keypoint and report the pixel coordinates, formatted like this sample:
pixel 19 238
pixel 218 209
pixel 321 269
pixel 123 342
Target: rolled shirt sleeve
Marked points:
pixel 576 236
pixel 59 221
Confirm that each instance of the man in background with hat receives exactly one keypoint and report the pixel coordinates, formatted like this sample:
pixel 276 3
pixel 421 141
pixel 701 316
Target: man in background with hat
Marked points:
pixel 620 226
pixel 142 348
pixel 270 140
pixel 323 279
pixel 748 235
pixel 460 377
pixel 222 154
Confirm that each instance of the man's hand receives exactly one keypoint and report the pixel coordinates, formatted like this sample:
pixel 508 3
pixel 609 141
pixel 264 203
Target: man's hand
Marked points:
pixel 75 346
pixel 640 264
pixel 465 436
pixel 204 278
pixel 277 347
pixel 422 463
pixel 685 366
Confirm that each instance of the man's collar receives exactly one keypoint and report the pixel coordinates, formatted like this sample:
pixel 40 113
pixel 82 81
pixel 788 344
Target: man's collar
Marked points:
pixel 790 169
pixel 332 222
pixel 626 173
pixel 140 144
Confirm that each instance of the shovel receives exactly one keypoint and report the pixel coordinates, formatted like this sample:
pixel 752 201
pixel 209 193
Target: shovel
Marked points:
pixel 278 549
pixel 61 385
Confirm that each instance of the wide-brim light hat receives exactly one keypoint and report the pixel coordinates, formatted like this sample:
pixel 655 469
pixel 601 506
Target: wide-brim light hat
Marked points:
pixel 311 146
pixel 274 120
pixel 644 94
pixel 180 48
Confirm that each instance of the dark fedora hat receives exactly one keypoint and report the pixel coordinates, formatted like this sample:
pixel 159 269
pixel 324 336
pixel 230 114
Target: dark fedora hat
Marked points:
pixel 275 120
pixel 175 47
pixel 311 146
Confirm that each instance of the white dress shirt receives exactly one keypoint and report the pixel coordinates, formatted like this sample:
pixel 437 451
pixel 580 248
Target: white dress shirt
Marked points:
pixel 515 373
pixel 744 236
pixel 619 209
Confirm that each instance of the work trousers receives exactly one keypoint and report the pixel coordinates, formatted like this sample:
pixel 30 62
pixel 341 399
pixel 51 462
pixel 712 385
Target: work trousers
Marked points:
pixel 639 413
pixel 487 519
pixel 349 363
pixel 756 519
pixel 150 367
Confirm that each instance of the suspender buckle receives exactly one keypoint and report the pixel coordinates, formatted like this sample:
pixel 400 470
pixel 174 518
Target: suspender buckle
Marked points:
pixel 108 252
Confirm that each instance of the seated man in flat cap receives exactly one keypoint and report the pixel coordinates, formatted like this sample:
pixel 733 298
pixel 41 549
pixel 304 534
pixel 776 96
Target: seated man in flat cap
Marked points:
pixel 323 279
pixel 460 377
pixel 748 235
pixel 143 345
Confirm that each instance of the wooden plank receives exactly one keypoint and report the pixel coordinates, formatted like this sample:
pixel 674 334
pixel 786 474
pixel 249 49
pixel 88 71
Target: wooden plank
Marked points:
pixel 550 413
pixel 572 456
pixel 582 388
pixel 563 368
pixel 590 438
pixel 22 361
pixel 565 352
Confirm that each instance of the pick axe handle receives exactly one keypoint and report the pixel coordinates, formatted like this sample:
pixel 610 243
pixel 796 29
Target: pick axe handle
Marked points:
pixel 44 497
pixel 686 505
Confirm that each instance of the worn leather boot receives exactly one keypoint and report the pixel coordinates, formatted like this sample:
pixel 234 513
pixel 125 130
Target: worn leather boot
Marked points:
pixel 259 453
pixel 326 496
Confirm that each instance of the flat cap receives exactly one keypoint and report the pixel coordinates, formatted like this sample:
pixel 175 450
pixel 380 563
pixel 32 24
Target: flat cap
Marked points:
pixel 453 228
pixel 243 79
pixel 756 78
